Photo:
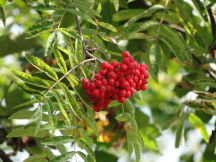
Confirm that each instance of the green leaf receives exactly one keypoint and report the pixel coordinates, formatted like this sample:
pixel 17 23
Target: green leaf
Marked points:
pixel 49 106
pixel 60 103
pixel 87 149
pixel 197 123
pixel 60 60
pixel 108 26
pixel 42 66
pixel 50 43
pixel 27 89
pixel 126 14
pixel 123 117
pixel 64 157
pixel 22 114
pixel 84 7
pixel 204 82
pixel 26 131
pixel 33 80
pixel 73 103
pixel 57 140
pixel 175 42
pixel 201 9
pixel 2 15
pixel 145 13
pixel 99 8
pixel 180 133
pixel 129 107
pixel 155 56
pixel 36 158
pixel 116 4
pixel 138 27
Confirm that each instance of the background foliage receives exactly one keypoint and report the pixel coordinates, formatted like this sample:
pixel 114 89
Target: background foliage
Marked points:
pixel 60 42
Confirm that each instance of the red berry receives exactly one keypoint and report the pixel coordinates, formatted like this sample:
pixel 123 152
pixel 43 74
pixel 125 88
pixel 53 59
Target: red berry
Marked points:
pixel 111 67
pixel 92 85
pixel 112 75
pixel 111 81
pixel 123 67
pixel 125 84
pixel 98 83
pixel 122 99
pixel 97 76
pixel 115 63
pixel 126 61
pixel 104 81
pixel 117 83
pixel 128 94
pixel 85 81
pixel 96 108
pixel 143 87
pixel 103 72
pixel 95 92
pixel 105 65
pixel 122 93
pixel 125 54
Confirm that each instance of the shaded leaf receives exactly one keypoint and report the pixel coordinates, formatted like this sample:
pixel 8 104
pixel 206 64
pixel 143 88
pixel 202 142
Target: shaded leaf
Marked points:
pixel 57 140
pixel 33 80
pixel 64 157
pixel 197 123
pixel 42 66
pixel 108 26
pixel 2 15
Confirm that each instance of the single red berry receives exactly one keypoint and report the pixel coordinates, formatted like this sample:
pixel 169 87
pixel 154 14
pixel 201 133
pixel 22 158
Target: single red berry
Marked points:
pixel 143 87
pixel 97 76
pixel 132 90
pixel 95 92
pixel 146 75
pixel 105 65
pixel 125 83
pixel 102 88
pixel 92 85
pixel 125 54
pixel 111 68
pixel 122 93
pixel 121 99
pixel 123 67
pixel 115 63
pixel 102 72
pixel 128 94
pixel 126 61
pixel 96 108
pixel 117 83
pixel 85 81
pixel 111 81
pixel 104 81
pixel 98 83
pixel 112 75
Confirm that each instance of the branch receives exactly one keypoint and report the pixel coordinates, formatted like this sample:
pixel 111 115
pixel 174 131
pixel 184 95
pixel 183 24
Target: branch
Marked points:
pixel 4 156
pixel 66 74
pixel 83 42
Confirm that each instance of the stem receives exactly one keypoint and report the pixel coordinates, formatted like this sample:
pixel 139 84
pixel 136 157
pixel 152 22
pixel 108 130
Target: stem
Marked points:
pixel 213 24
pixel 4 156
pixel 83 42
pixel 66 74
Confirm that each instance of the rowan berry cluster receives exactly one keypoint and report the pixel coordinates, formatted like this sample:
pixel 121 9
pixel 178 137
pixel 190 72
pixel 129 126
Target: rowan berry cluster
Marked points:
pixel 116 81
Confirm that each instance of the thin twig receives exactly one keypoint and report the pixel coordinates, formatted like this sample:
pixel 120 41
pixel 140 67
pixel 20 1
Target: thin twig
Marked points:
pixel 83 42
pixel 66 74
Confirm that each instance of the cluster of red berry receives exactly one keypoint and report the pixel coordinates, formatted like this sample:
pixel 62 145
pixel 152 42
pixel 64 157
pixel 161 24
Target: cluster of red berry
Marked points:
pixel 116 81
